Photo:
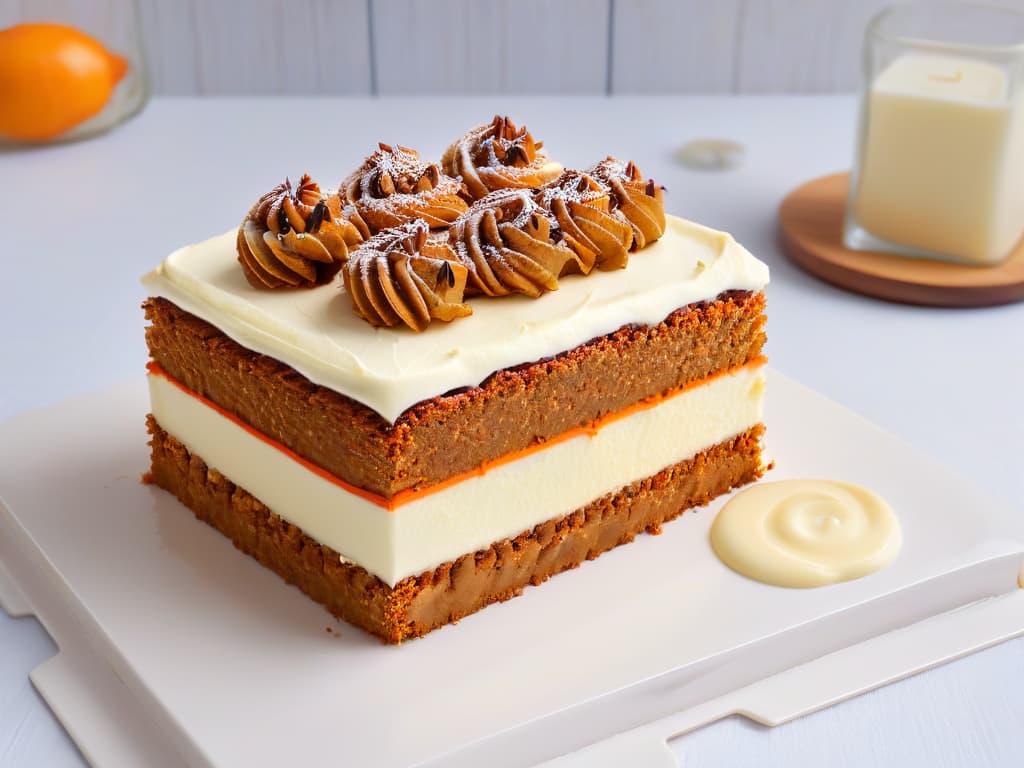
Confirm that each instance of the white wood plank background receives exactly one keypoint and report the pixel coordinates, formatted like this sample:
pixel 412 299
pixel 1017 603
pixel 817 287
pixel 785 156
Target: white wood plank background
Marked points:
pixel 223 47
pixel 682 46
pixel 807 45
pixel 490 46
pixel 390 47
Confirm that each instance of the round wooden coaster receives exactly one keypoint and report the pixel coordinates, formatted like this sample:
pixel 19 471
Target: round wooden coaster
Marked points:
pixel 811 219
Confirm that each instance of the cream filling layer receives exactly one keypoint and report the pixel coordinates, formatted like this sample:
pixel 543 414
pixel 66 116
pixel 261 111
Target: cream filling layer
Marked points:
pixel 480 510
pixel 389 369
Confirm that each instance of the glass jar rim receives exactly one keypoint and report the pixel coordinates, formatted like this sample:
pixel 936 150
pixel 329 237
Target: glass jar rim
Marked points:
pixel 876 31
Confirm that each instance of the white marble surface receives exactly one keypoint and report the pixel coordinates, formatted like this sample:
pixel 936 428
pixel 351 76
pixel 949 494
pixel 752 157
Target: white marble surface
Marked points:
pixel 83 221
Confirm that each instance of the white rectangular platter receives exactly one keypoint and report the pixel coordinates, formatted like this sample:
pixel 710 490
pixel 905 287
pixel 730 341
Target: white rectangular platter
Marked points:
pixel 216 661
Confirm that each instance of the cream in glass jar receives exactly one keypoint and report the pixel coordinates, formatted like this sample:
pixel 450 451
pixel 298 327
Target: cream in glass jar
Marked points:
pixel 941 154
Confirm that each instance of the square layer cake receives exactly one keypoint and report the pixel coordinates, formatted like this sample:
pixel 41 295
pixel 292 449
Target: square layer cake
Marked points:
pixel 405 480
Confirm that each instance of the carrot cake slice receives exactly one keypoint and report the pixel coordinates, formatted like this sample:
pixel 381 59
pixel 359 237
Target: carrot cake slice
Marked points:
pixel 417 394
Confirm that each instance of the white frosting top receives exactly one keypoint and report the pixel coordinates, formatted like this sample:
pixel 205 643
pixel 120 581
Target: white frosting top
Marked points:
pixel 389 369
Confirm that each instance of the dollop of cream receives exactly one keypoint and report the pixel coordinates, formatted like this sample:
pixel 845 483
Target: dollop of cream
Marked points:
pixel 806 533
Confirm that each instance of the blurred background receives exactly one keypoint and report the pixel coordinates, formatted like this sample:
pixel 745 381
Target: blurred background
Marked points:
pixel 393 47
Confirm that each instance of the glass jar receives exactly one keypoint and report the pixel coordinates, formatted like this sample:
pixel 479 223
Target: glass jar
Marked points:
pixel 113 24
pixel 940 156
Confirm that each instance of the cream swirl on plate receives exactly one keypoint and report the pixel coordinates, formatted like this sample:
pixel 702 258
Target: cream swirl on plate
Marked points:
pixel 806 533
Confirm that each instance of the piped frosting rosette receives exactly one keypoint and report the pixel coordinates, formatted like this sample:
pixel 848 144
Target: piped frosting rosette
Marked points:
pixel 581 207
pixel 504 240
pixel 403 276
pixel 640 201
pixel 393 187
pixel 295 237
pixel 498 155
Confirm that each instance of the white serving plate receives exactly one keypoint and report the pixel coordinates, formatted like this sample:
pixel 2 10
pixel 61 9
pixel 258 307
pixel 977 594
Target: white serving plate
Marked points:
pixel 176 649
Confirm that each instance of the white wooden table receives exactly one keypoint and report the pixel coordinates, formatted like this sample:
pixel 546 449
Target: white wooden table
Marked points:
pixel 82 222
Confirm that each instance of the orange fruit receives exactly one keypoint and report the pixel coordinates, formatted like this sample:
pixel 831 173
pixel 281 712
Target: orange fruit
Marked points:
pixel 52 77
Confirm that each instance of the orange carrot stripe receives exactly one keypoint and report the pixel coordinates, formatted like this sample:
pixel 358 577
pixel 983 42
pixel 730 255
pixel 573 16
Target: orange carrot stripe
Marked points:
pixel 404 497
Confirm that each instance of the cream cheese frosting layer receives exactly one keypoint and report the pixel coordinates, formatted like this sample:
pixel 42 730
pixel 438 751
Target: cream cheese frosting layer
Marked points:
pixel 480 510
pixel 390 369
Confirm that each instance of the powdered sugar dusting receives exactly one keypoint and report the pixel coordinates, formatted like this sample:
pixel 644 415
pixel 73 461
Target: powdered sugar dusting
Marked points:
pixel 393 186
pixel 498 155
